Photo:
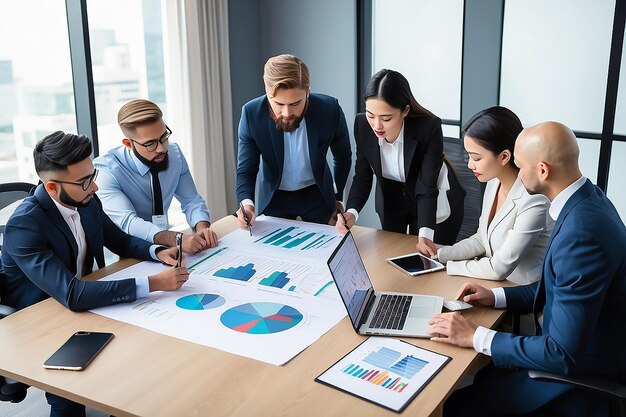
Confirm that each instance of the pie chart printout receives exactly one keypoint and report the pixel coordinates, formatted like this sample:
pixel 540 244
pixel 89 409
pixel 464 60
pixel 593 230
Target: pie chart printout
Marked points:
pixel 261 318
pixel 200 301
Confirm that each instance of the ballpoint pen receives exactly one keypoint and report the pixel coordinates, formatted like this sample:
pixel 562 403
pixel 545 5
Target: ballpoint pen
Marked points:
pixel 339 212
pixel 245 217
pixel 179 245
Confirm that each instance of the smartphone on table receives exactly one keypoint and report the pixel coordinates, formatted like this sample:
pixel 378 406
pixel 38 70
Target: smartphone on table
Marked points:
pixel 78 351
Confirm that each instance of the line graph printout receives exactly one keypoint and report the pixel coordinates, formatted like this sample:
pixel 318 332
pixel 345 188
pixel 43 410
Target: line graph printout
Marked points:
pixel 266 304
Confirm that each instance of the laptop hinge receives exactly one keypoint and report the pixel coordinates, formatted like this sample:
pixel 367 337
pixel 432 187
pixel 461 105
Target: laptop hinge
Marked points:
pixel 368 306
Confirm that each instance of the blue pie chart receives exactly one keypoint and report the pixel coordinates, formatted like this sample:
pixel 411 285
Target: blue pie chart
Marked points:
pixel 261 318
pixel 200 301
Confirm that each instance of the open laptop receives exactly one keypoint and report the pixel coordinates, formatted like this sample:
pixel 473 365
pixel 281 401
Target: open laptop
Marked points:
pixel 373 312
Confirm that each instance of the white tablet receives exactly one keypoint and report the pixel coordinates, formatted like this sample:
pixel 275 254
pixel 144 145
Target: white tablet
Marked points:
pixel 415 264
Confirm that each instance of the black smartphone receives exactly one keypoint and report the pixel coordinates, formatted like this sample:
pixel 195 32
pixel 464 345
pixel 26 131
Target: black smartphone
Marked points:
pixel 78 351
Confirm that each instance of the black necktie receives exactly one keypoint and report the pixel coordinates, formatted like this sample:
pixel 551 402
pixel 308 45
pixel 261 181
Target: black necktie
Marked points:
pixel 157 197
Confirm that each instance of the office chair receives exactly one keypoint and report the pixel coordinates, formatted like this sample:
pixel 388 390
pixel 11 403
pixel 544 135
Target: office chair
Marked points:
pixel 614 390
pixel 10 390
pixel 456 155
pixel 9 194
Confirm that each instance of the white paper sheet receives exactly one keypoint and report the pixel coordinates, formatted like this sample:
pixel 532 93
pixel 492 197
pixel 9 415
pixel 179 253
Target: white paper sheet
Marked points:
pixel 266 302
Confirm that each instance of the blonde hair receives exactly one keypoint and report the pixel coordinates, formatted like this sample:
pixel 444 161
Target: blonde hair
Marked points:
pixel 136 113
pixel 285 71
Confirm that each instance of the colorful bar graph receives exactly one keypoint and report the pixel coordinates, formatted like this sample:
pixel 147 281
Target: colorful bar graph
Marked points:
pixel 383 379
pixel 239 273
pixel 276 279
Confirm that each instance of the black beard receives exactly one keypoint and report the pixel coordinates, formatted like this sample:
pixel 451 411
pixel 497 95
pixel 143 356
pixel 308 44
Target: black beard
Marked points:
pixel 159 166
pixel 66 199
pixel 285 127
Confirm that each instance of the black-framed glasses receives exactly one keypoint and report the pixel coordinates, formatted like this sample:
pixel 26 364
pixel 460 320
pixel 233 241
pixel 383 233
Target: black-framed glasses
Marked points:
pixel 84 183
pixel 151 145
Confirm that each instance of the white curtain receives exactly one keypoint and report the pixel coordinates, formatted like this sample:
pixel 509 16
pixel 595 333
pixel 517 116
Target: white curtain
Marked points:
pixel 199 96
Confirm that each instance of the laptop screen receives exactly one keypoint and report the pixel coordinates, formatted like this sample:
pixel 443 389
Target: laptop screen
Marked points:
pixel 348 271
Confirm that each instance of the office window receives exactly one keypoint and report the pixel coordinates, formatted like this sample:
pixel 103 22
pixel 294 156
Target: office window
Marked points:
pixel 36 91
pixel 617 173
pixel 620 114
pixel 126 39
pixel 555 58
pixel 589 157
pixel 422 39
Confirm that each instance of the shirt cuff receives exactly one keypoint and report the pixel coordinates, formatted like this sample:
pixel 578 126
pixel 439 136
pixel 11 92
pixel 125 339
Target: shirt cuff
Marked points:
pixel 142 287
pixel 247 202
pixel 500 297
pixel 482 340
pixel 426 232
pixel 354 213
pixel 153 249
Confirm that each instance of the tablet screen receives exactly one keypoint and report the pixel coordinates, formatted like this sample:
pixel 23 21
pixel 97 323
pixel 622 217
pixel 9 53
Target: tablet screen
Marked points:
pixel 415 264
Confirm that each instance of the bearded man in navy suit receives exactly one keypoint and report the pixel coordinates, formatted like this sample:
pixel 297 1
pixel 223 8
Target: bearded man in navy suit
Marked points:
pixel 291 130
pixel 581 296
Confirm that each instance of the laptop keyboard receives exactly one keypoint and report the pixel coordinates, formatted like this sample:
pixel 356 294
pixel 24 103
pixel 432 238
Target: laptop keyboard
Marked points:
pixel 391 312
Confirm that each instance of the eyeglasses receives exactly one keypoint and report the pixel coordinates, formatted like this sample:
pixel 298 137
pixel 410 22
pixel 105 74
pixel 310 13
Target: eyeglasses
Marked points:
pixel 151 145
pixel 84 183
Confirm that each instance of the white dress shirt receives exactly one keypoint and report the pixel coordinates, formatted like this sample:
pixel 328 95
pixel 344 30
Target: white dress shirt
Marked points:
pixel 72 218
pixel 392 167
pixel 483 337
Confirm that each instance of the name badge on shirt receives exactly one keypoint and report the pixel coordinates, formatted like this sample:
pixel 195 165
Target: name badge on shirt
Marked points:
pixel 160 220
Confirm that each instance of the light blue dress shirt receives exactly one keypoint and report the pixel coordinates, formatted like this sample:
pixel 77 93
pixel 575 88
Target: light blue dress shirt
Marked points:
pixel 125 188
pixel 297 170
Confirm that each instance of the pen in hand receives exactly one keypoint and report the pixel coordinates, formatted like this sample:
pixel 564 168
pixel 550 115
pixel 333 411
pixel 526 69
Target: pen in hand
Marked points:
pixel 179 245
pixel 245 217
pixel 345 222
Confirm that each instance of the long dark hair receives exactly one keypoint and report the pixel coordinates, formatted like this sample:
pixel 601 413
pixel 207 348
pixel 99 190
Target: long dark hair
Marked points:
pixel 495 129
pixel 391 87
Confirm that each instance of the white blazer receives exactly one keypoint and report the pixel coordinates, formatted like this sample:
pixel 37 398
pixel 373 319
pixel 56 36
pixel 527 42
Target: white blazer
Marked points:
pixel 514 244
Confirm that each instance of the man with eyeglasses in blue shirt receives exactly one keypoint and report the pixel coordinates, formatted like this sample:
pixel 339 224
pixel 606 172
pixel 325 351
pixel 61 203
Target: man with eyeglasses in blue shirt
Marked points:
pixel 139 179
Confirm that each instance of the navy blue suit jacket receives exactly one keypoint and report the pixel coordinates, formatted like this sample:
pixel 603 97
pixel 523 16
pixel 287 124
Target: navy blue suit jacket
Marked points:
pixel 39 256
pixel 582 293
pixel 259 137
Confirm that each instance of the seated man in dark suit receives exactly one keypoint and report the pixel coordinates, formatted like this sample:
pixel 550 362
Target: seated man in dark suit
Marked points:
pixel 292 129
pixel 53 236
pixel 581 295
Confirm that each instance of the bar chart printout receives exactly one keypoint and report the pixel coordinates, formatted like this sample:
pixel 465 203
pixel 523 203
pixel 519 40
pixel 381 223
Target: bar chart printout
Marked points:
pixel 388 372
pixel 239 273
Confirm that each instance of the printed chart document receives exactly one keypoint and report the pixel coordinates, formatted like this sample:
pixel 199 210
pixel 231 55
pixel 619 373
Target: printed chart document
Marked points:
pixel 266 297
pixel 385 371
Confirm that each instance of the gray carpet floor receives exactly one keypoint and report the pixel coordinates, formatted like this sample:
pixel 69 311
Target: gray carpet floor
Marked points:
pixel 35 405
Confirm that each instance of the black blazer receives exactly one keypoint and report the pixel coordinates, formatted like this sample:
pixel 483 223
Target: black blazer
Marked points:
pixel 423 156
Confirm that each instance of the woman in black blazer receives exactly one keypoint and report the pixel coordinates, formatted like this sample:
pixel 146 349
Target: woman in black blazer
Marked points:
pixel 401 143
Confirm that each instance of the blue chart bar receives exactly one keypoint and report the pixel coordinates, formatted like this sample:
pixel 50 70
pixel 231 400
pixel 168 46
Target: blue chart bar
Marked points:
pixel 278 235
pixel 292 288
pixel 390 360
pixel 240 273
pixel 298 241
pixel 267 235
pixel 314 243
pixel 276 279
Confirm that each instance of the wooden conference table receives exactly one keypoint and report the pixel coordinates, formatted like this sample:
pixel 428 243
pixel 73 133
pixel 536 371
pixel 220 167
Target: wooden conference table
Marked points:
pixel 145 373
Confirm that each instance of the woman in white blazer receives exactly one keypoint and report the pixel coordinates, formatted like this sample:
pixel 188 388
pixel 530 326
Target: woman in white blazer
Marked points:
pixel 514 226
